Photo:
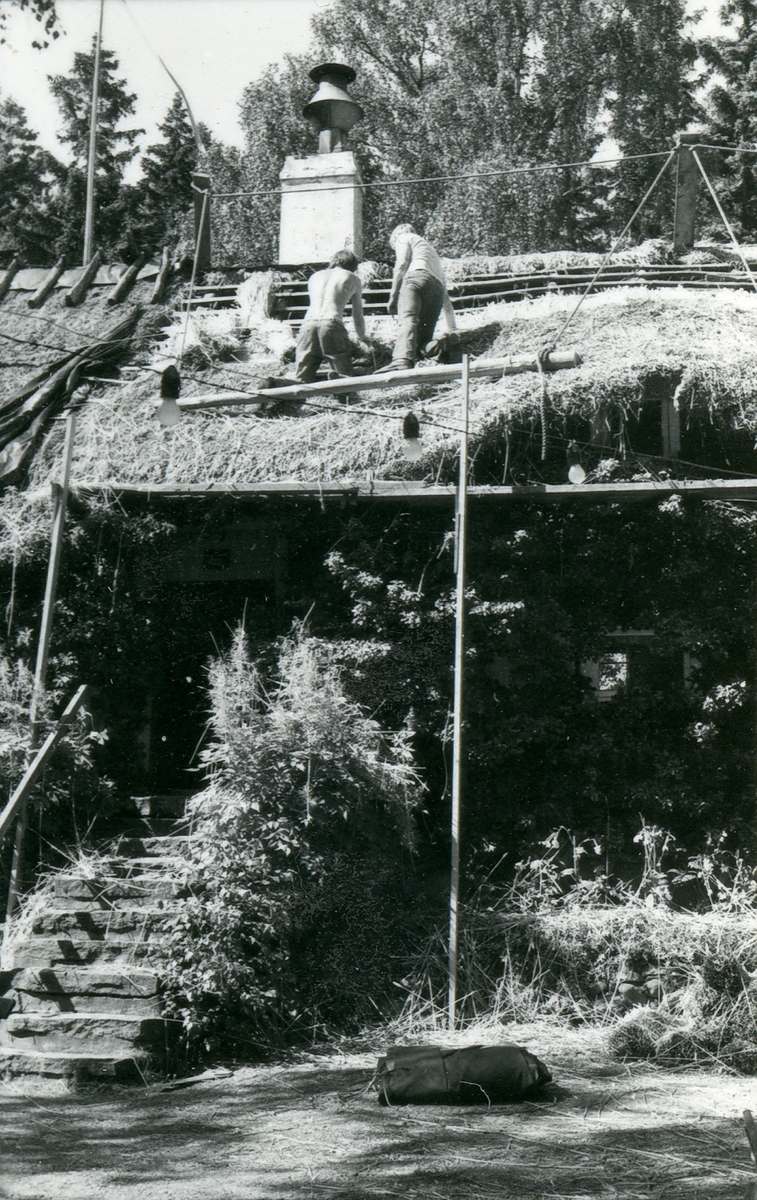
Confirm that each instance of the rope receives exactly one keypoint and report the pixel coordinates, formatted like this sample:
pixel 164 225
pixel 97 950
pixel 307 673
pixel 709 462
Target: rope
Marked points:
pixel 725 220
pixel 617 242
pixel 387 183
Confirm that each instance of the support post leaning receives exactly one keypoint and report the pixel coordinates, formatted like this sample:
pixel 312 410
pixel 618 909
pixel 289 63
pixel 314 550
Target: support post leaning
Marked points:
pixel 461 530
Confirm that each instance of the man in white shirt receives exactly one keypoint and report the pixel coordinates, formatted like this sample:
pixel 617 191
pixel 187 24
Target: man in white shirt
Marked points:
pixel 418 295
pixel 323 334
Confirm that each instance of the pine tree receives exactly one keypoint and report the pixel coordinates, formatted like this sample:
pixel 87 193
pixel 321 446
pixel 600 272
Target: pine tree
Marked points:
pixel 25 176
pixel 162 200
pixel 116 147
pixel 732 109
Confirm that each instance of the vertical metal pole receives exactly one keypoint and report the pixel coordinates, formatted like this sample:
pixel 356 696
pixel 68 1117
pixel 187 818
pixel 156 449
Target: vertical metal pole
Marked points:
pixel 89 216
pixel 457 719
pixel 43 648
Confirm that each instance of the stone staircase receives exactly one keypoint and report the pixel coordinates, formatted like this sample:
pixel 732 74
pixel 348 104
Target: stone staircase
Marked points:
pixel 80 984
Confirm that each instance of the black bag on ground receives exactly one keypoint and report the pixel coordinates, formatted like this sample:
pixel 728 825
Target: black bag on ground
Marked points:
pixel 472 1075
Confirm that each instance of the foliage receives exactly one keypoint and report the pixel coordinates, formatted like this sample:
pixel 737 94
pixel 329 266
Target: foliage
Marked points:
pixel 452 89
pixel 42 11
pixel 650 98
pixel 304 790
pixel 162 200
pixel 116 147
pixel 565 941
pixel 732 108
pixel 25 171
pixel 72 792
pixel 551 589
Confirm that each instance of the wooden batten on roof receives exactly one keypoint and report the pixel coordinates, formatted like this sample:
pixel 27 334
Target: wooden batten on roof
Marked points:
pixel 163 273
pixel 127 280
pixel 47 285
pixel 85 280
pixel 6 279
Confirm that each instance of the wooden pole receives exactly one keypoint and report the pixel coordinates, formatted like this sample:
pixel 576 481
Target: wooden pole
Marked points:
pixel 457 718
pixel 6 279
pixel 43 648
pixel 201 185
pixel 47 285
pixel 513 364
pixel 162 280
pixel 89 217
pixel 126 281
pixel 687 186
pixel 83 283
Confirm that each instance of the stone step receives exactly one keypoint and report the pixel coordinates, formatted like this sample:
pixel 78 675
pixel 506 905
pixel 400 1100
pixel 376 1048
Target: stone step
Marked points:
pixel 125 867
pixel 17 1064
pixel 41 952
pixel 47 1003
pixel 168 846
pixel 63 989
pixel 98 1034
pixel 97 923
pixel 101 981
pixel 73 887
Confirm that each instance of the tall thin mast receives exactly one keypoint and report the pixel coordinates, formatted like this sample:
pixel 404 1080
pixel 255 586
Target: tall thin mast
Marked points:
pixel 89 219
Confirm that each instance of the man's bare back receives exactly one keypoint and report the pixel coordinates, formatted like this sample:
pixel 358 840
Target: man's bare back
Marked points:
pixel 330 291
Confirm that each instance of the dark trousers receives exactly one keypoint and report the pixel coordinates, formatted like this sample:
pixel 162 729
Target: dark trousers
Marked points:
pixel 321 340
pixel 421 300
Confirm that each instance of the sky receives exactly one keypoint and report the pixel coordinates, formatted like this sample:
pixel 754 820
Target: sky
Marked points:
pixel 213 47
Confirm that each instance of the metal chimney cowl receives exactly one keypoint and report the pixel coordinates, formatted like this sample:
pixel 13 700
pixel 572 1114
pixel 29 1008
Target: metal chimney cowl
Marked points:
pixel 332 112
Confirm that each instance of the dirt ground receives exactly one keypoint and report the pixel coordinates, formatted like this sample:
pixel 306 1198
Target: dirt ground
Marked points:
pixel 313 1129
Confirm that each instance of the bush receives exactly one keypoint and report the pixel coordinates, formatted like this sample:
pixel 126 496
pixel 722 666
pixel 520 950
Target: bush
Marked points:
pixel 296 841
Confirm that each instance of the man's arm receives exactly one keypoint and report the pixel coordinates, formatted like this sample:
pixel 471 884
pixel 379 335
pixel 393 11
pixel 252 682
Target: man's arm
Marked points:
pixel 402 262
pixel 357 310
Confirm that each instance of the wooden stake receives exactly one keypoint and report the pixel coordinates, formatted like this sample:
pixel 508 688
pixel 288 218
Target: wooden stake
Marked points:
pixel 162 280
pixel 82 285
pixel 126 281
pixel 6 279
pixel 43 648
pixel 457 717
pixel 47 285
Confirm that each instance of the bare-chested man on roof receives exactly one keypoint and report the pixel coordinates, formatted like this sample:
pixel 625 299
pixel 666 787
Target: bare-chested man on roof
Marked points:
pixel 323 335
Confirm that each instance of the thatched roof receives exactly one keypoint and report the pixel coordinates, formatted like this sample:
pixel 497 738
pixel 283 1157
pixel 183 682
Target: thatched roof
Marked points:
pixel 703 342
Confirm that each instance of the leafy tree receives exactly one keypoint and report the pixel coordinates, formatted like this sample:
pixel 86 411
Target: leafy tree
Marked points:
pixel 25 176
pixel 451 89
pixel 116 147
pixel 650 97
pixel 732 108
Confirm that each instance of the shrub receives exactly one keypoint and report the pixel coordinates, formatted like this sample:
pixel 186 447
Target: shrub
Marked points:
pixel 306 814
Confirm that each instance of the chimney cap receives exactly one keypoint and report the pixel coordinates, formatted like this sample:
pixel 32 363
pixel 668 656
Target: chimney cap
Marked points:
pixel 344 73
